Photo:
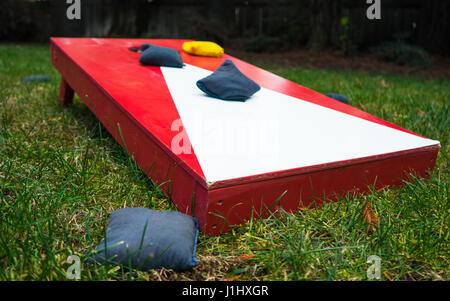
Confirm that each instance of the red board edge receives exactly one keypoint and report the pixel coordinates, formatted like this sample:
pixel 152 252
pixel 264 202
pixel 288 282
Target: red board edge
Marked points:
pixel 238 203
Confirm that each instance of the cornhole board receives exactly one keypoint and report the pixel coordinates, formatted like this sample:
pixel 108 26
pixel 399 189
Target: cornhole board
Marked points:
pixel 224 161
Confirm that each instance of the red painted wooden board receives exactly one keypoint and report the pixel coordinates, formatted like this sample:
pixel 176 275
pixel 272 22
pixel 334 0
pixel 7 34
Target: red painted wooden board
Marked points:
pixel 325 148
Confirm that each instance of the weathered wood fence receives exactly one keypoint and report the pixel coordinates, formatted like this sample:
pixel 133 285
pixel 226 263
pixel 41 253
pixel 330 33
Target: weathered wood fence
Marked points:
pixel 298 22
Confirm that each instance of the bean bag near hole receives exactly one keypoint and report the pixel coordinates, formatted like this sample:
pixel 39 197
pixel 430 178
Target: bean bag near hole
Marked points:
pixel 203 48
pixel 145 46
pixel 143 239
pixel 160 56
pixel 228 83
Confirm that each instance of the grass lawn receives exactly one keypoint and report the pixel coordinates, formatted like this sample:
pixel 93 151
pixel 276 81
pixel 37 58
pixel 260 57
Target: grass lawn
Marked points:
pixel 61 174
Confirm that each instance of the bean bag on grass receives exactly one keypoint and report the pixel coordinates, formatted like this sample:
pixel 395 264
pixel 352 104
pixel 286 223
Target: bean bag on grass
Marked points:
pixel 144 239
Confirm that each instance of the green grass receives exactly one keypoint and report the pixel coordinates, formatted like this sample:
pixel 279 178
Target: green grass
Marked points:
pixel 61 174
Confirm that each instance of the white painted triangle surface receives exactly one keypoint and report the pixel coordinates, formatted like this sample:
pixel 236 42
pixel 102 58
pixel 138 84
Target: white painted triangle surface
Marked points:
pixel 272 131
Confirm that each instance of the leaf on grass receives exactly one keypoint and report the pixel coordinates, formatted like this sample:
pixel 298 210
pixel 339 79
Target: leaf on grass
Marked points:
pixel 243 257
pixel 384 84
pixel 370 218
pixel 233 278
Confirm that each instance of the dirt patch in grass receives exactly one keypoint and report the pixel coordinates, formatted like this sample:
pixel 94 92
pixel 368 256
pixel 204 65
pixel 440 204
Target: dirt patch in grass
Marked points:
pixel 209 268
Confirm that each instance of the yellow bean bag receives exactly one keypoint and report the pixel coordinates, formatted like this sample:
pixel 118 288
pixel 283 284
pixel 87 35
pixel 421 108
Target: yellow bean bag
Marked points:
pixel 203 48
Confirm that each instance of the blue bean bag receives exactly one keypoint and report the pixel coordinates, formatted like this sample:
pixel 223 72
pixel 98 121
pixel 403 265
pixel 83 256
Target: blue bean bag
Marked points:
pixel 228 83
pixel 143 239
pixel 36 78
pixel 160 56
pixel 145 46
pixel 338 97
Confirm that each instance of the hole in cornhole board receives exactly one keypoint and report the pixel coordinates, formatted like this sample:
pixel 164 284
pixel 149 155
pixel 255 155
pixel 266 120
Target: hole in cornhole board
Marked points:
pixel 134 48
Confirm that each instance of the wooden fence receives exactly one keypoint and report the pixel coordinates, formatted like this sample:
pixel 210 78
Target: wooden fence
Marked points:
pixel 294 21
